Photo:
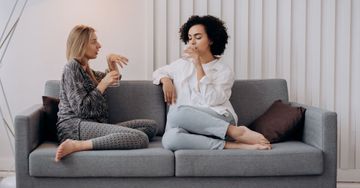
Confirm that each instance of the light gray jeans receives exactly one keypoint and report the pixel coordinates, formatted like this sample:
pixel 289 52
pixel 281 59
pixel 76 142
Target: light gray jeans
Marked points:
pixel 189 127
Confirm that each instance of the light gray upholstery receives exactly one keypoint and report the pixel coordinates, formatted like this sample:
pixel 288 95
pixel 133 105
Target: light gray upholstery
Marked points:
pixel 288 158
pixel 310 162
pixel 182 182
pixel 320 131
pixel 150 162
pixel 27 137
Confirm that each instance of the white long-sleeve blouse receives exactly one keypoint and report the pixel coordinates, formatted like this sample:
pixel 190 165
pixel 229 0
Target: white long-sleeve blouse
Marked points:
pixel 212 91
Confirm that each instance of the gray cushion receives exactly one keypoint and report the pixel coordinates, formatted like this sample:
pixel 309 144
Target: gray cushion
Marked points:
pixel 150 162
pixel 287 158
pixel 251 98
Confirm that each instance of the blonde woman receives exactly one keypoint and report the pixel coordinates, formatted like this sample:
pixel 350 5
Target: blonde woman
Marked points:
pixel 83 114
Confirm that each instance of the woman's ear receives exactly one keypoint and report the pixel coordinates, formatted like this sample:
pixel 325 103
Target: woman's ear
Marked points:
pixel 210 42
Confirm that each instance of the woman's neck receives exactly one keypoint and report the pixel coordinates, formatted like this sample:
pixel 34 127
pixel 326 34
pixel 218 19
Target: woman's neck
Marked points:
pixel 207 58
pixel 84 62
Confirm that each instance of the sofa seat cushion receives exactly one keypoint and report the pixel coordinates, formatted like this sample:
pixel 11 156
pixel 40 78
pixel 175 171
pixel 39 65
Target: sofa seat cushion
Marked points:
pixel 150 162
pixel 286 158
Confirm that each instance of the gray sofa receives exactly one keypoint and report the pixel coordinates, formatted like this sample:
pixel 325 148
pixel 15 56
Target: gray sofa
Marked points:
pixel 309 163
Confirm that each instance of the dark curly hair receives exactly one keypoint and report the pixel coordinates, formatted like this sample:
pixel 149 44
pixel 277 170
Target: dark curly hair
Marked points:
pixel 214 28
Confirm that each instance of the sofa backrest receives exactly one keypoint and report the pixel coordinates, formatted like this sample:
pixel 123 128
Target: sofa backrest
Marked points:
pixel 131 100
pixel 137 100
pixel 52 88
pixel 251 98
pixel 142 99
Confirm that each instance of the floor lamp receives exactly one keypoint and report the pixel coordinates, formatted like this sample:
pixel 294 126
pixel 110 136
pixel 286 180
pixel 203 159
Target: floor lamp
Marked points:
pixel 5 40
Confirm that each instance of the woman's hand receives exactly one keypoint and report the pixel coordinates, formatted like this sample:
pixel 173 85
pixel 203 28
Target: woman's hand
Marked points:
pixel 109 79
pixel 113 59
pixel 191 52
pixel 169 90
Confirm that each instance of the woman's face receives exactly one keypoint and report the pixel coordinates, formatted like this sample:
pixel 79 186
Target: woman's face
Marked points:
pixel 198 38
pixel 93 47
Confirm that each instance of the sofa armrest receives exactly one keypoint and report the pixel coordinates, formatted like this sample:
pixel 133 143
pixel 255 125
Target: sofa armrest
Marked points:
pixel 320 131
pixel 27 126
pixel 320 127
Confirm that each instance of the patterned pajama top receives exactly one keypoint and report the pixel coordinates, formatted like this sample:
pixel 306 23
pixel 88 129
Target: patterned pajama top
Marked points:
pixel 79 100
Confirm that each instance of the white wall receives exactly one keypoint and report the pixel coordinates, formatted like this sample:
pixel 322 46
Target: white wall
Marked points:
pixel 313 44
pixel 37 50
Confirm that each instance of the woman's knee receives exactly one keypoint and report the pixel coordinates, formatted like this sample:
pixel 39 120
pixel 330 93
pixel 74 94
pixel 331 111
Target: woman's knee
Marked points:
pixel 153 125
pixel 142 140
pixel 149 127
pixel 177 116
pixel 172 139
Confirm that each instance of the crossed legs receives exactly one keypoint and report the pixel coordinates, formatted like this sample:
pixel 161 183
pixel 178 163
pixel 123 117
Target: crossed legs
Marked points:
pixel 132 134
pixel 193 128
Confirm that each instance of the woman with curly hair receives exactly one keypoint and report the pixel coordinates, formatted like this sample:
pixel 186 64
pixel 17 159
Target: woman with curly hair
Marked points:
pixel 198 87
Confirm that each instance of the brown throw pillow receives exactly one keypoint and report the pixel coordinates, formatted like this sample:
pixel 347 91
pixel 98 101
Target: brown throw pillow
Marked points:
pixel 280 122
pixel 51 108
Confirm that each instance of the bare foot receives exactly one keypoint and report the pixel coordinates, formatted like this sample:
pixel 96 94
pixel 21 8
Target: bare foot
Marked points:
pixel 245 135
pixel 237 145
pixel 263 144
pixel 70 146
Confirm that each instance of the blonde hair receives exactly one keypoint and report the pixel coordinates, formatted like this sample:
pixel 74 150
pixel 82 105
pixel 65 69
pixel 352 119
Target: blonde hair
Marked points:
pixel 78 40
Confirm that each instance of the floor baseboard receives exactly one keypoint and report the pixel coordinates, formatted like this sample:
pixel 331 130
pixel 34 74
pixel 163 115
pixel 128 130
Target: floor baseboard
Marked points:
pixel 6 173
pixel 348 185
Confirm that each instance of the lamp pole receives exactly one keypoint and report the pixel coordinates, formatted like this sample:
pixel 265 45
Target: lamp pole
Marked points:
pixel 7 40
pixel 9 126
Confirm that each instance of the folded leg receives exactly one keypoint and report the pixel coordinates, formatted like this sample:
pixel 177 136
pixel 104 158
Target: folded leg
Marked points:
pixel 178 138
